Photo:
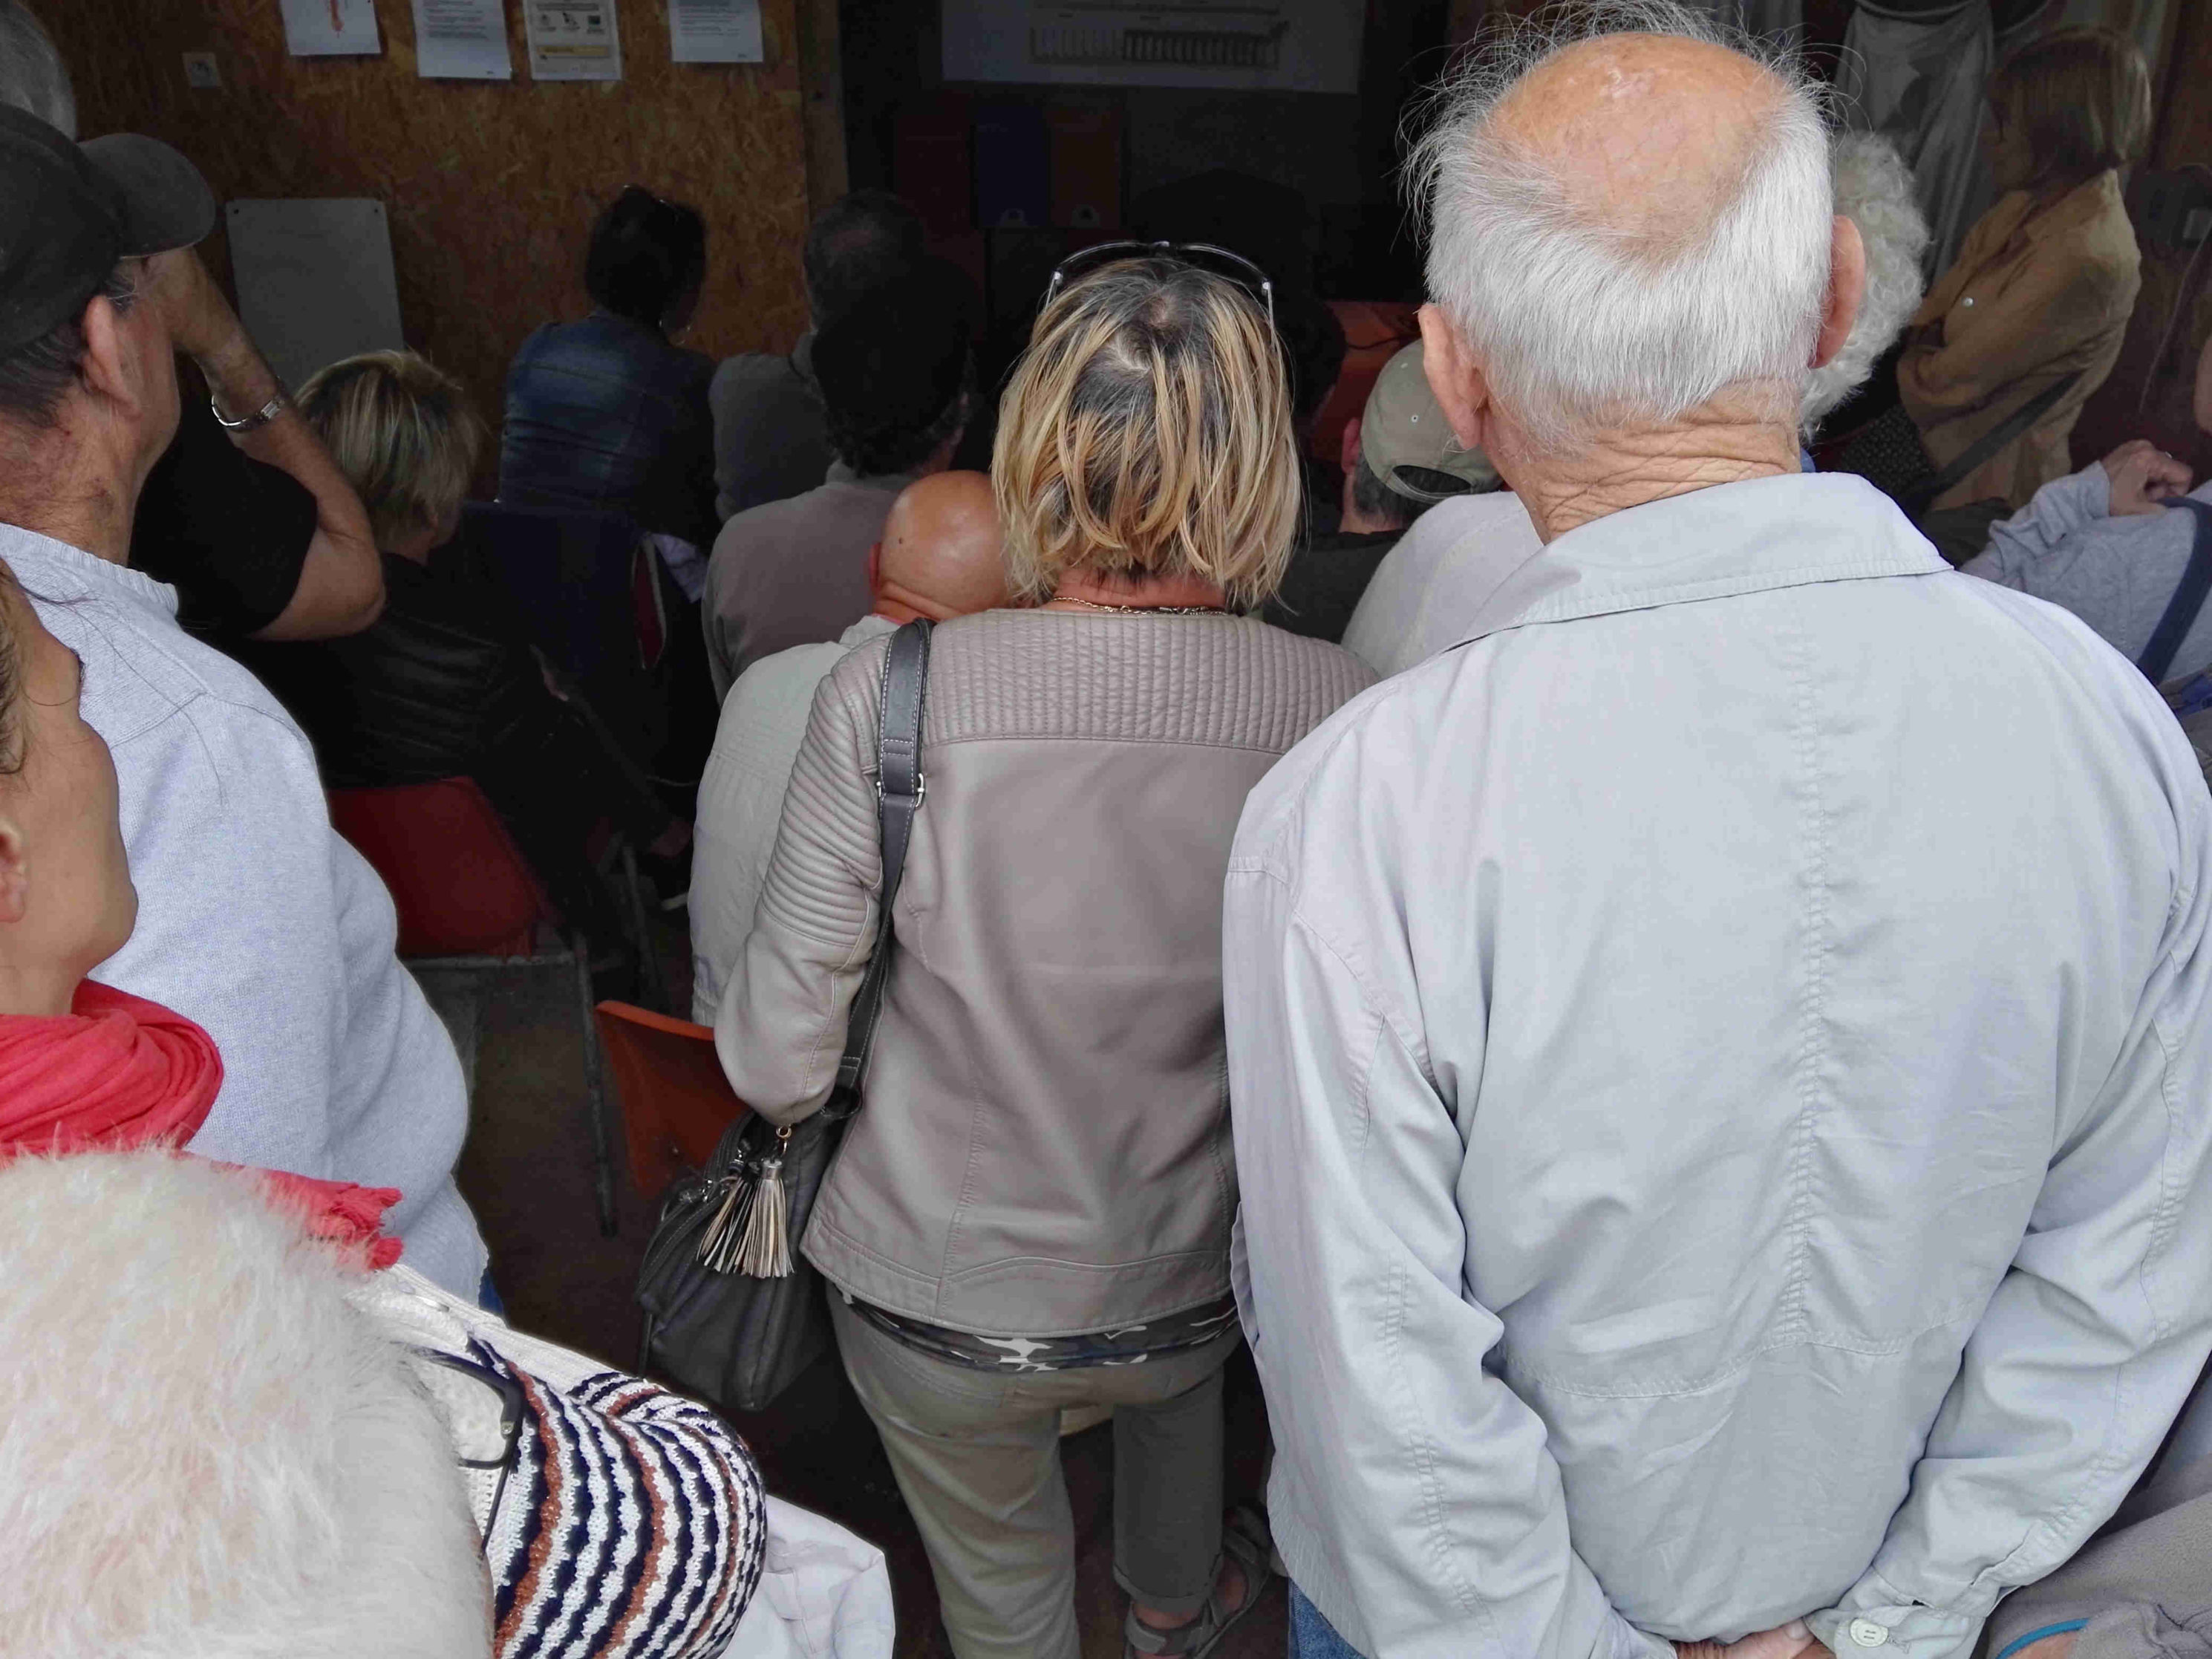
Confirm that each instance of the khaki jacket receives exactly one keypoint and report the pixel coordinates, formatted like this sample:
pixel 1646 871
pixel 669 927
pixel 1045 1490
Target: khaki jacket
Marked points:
pixel 2027 301
pixel 1045 1145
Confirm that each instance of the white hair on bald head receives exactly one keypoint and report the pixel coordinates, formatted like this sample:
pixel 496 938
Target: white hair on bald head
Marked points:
pixel 1581 326
pixel 1874 190
pixel 32 75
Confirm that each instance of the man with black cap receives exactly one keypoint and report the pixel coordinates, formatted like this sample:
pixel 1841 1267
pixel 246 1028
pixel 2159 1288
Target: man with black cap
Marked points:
pixel 245 513
pixel 254 919
pixel 897 379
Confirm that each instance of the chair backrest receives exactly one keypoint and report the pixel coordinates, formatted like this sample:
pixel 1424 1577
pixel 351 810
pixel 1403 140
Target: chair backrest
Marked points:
pixel 460 884
pixel 571 578
pixel 675 1101
pixel 1374 331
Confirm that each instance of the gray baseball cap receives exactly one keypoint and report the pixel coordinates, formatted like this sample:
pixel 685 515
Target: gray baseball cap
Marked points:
pixel 1407 443
pixel 70 212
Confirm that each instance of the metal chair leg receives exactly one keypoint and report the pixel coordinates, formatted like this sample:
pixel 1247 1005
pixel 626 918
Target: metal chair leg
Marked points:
pixel 651 981
pixel 595 1089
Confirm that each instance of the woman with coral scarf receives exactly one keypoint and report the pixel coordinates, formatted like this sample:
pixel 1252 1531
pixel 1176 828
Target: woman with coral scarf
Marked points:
pixel 83 1066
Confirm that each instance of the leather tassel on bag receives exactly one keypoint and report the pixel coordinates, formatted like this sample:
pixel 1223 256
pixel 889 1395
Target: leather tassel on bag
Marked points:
pixel 766 1253
pixel 722 1243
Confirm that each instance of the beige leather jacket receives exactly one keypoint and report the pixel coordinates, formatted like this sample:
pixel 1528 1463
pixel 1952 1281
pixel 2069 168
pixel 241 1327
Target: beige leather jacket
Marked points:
pixel 2027 300
pixel 1045 1149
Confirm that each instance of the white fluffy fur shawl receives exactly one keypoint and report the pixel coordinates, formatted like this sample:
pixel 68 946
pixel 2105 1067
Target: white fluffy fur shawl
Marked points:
pixel 205 1452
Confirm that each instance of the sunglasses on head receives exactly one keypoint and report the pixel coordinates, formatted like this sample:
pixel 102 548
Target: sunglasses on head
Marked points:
pixel 1202 256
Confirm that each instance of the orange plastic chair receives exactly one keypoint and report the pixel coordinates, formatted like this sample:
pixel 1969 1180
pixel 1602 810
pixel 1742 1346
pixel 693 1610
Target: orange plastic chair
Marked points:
pixel 468 902
pixel 676 1102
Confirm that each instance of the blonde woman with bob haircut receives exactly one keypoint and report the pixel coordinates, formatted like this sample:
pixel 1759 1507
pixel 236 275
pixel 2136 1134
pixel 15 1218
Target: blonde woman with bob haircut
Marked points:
pixel 2044 282
pixel 1032 1211
pixel 443 684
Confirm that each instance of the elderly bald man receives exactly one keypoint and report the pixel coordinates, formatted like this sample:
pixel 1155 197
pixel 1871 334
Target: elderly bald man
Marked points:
pixel 1721 1063
pixel 939 558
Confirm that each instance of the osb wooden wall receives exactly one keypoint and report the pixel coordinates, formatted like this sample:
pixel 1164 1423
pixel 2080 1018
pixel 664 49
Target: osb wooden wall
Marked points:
pixel 490 188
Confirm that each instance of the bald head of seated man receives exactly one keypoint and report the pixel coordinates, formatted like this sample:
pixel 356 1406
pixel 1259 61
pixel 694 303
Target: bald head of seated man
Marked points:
pixel 939 558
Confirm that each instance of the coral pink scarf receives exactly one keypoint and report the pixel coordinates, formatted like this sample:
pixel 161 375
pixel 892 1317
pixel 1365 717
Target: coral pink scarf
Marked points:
pixel 119 1072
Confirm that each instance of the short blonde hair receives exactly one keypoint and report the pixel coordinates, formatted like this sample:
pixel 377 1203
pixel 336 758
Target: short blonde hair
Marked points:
pixel 1147 432
pixel 2083 95
pixel 403 432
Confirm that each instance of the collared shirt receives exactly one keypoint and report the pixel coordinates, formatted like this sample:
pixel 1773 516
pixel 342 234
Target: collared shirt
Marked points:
pixel 2117 574
pixel 741 800
pixel 793 572
pixel 1430 587
pixel 254 919
pixel 1723 1088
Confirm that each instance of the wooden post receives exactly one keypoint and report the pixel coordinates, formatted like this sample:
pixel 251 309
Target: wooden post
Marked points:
pixel 822 102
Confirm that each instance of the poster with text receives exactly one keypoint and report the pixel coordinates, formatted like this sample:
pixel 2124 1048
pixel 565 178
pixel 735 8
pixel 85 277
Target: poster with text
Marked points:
pixel 572 39
pixel 714 31
pixel 331 28
pixel 462 40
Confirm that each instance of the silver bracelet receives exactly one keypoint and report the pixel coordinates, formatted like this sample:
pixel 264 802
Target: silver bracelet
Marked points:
pixel 260 417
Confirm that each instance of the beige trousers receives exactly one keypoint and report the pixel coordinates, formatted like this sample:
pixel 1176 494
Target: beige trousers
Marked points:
pixel 977 1457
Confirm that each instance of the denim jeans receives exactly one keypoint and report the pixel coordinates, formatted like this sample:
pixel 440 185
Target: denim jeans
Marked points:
pixel 1313 1636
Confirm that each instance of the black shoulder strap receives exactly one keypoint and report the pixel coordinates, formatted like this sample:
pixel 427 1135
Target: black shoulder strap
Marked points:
pixel 1917 498
pixel 899 789
pixel 2188 601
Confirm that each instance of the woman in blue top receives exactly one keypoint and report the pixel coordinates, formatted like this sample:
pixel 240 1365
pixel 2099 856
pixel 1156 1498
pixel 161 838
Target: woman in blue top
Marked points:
pixel 608 414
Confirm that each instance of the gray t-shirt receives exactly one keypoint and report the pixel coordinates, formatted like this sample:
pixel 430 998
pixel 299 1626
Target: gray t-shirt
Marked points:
pixel 793 573
pixel 771 437
pixel 255 920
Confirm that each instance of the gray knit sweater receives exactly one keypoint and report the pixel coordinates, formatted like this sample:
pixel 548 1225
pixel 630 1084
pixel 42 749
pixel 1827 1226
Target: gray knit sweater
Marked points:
pixel 2114 574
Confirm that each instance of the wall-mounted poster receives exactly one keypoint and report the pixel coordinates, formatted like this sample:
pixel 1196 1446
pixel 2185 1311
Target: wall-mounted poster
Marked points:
pixel 714 31
pixel 1281 46
pixel 331 28
pixel 462 40
pixel 572 39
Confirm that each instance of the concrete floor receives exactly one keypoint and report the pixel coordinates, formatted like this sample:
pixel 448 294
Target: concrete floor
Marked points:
pixel 527 1171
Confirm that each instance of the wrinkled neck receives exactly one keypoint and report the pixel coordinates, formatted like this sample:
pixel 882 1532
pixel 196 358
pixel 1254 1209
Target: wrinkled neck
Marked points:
pixel 1620 470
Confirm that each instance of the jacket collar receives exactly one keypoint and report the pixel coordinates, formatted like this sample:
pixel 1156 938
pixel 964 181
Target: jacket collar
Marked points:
pixel 1791 530
pixel 2014 218
pixel 2099 198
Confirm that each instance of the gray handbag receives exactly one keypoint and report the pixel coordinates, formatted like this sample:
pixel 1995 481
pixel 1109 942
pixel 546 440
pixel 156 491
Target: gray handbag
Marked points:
pixel 733 1312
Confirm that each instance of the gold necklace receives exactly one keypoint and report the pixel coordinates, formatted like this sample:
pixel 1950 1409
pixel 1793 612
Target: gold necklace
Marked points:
pixel 1145 610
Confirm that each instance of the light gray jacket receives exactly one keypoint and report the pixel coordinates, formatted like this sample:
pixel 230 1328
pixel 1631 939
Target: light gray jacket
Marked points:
pixel 2117 574
pixel 1044 1149
pixel 1724 1084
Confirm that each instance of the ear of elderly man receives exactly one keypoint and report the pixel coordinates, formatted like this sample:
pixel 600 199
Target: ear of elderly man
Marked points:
pixel 1721 1055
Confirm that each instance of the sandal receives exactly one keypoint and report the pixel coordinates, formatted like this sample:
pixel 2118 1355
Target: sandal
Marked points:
pixel 1244 1539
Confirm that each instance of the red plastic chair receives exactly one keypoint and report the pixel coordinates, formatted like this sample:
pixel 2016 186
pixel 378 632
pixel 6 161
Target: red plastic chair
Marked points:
pixel 468 902
pixel 676 1102
pixel 1375 331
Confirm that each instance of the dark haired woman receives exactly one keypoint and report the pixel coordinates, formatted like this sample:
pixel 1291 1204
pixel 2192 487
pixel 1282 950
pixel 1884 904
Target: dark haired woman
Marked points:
pixel 2043 285
pixel 608 414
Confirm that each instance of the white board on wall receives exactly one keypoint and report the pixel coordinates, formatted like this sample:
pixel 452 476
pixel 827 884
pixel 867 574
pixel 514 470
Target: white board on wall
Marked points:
pixel 331 28
pixel 1279 46
pixel 314 281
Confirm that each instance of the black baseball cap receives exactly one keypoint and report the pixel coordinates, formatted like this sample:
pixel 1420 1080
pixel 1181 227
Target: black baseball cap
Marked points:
pixel 69 212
